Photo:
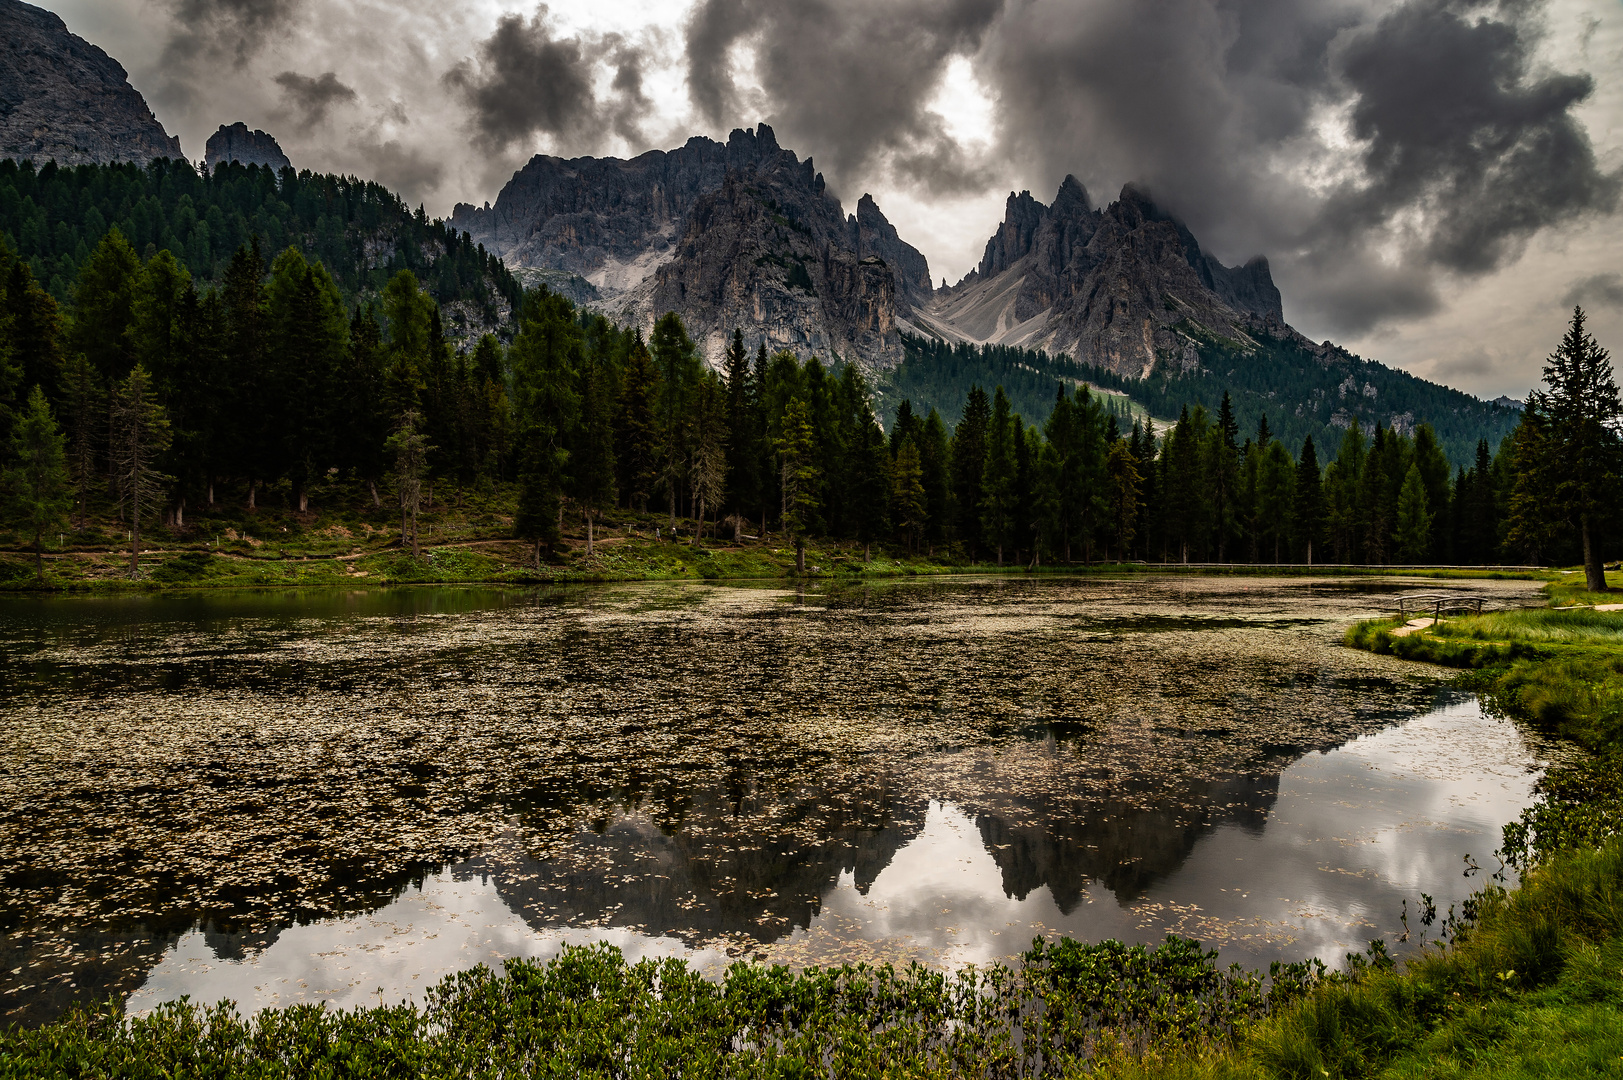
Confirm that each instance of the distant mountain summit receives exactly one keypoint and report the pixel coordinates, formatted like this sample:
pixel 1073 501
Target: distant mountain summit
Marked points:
pixel 238 143
pixel 1122 287
pixel 62 99
pixel 742 234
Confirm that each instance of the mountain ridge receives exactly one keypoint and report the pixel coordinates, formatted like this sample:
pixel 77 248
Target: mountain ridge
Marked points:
pixel 63 99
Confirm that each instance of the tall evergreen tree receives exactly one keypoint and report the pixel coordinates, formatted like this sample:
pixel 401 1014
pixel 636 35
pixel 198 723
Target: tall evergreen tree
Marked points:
pixel 37 480
pixel 635 430
pixel 1413 539
pixel 968 466
pixel 1307 515
pixel 1583 410
pixel 545 356
pixel 797 449
pixel 998 490
pixel 592 464
pixel 139 435
pixel 677 361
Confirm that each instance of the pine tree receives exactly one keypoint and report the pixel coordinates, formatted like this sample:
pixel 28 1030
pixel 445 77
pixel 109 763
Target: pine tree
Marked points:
pixel 1125 483
pixel 139 435
pixel 907 497
pixel 743 430
pixel 1534 518
pixel 1307 515
pixel 968 465
pixel 797 450
pixel 1414 519
pixel 709 465
pixel 1583 410
pixel 592 456
pixel 998 491
pixel 410 448
pixel 103 306
pixel 83 402
pixel 677 361
pixel 545 356
pixel 37 480
pixel 636 434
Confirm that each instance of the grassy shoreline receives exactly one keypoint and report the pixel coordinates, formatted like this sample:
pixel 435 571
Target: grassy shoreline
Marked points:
pixel 496 558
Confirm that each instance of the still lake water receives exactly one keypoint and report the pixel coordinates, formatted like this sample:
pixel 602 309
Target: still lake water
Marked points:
pixel 290 796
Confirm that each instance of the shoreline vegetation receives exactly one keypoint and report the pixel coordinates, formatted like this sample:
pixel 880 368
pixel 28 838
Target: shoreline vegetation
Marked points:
pixel 280 550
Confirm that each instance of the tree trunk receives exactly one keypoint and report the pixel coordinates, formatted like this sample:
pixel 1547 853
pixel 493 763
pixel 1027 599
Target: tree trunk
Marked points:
pixel 800 555
pixel 251 486
pixel 1000 554
pixel 211 493
pixel 670 491
pixel 180 514
pixel 589 534
pixel 416 551
pixel 867 552
pixel 1310 553
pixel 1594 572
pixel 39 554
pixel 698 530
pixel 402 522
pixel 373 488
pixel 135 533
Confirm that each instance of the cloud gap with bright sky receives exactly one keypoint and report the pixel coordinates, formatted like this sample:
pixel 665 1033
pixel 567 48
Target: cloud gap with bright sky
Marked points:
pixel 1434 182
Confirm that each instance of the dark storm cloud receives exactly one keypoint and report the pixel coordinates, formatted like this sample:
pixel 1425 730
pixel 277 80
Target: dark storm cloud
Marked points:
pixel 848 80
pixel 528 82
pixel 1458 126
pixel 208 29
pixel 1596 291
pixel 312 97
pixel 208 35
pixel 1464 147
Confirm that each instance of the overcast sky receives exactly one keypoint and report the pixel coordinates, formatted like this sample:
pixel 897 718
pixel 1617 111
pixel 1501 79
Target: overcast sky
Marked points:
pixel 1435 182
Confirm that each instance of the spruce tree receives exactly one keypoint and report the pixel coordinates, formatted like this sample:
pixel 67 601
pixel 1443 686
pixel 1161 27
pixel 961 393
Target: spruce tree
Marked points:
pixel 410 448
pixel 37 480
pixel 592 464
pixel 1307 515
pixel 138 437
pixel 797 451
pixel 677 361
pixel 1583 410
pixel 635 431
pixel 1413 519
pixel 708 469
pixel 1125 482
pixel 998 475
pixel 968 466
pixel 103 306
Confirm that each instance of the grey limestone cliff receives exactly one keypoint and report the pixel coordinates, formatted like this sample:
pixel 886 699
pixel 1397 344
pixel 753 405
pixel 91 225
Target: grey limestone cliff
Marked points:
pixel 62 99
pixel 1125 286
pixel 741 233
pixel 250 147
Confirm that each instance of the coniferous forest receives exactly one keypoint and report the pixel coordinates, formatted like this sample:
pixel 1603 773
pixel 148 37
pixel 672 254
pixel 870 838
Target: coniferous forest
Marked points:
pixel 159 378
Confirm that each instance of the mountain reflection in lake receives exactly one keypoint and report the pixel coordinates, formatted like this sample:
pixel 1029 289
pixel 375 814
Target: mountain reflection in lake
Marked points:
pixel 278 797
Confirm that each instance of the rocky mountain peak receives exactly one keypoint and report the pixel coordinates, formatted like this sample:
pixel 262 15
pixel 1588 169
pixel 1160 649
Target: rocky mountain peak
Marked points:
pixel 249 147
pixel 62 99
pixel 742 233
pixel 1126 286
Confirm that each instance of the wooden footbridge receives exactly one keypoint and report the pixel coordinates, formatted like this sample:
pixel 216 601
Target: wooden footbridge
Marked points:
pixel 1437 604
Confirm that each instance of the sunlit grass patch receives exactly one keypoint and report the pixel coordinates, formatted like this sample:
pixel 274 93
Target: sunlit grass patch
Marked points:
pixel 1583 626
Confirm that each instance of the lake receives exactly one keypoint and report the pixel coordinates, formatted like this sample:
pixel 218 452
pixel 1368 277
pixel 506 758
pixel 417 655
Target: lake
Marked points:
pixel 288 796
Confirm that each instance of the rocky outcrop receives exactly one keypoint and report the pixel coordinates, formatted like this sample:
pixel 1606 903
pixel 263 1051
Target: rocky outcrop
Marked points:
pixel 64 100
pixel 738 234
pixel 1123 287
pixel 772 254
pixel 238 143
